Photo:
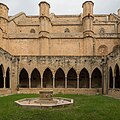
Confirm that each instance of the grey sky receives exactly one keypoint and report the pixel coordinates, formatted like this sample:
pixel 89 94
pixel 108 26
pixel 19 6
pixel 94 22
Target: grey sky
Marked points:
pixel 30 7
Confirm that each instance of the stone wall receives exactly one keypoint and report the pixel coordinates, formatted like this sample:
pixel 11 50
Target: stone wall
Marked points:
pixel 64 34
pixel 63 91
pixel 114 93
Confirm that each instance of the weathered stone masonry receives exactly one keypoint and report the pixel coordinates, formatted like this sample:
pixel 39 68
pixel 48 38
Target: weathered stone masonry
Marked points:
pixel 66 53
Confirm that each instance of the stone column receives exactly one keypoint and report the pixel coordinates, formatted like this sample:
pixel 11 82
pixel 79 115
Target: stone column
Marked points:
pixel 4 81
pixel 65 82
pixel 78 82
pixel 18 70
pixel 90 82
pixel 108 81
pixel 105 78
pixel 41 82
pixel 54 82
pixel 10 80
pixel 29 82
pixel 113 82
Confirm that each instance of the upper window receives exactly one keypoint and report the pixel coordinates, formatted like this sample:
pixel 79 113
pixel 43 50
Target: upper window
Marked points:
pixel 32 31
pixel 67 30
pixel 102 31
pixel 103 50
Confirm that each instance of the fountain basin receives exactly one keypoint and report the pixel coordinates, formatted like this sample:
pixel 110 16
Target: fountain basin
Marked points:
pixel 37 103
pixel 46 100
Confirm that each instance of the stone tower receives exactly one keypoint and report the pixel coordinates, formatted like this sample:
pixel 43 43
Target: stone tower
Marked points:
pixel 88 34
pixel 45 27
pixel 119 12
pixel 3 22
pixel 119 22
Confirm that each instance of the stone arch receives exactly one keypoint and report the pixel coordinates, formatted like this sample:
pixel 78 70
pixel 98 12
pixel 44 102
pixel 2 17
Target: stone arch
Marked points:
pixel 103 50
pixel 35 79
pixel 72 78
pixel 44 69
pixel 60 78
pixel 47 78
pixel 96 78
pixel 117 76
pixel 60 67
pixel 23 79
pixel 7 79
pixel 69 68
pixel 84 78
pixel 1 76
pixel 110 78
pixel 94 67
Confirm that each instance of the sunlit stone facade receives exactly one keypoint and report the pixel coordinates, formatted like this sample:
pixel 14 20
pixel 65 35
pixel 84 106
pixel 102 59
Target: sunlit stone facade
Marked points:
pixel 65 53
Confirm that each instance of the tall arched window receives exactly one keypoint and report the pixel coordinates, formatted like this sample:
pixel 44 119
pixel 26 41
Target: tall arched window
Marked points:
pixel 48 79
pixel 60 78
pixel 1 76
pixel 96 78
pixel 117 76
pixel 7 79
pixel 110 78
pixel 84 79
pixel 35 79
pixel 72 78
pixel 23 79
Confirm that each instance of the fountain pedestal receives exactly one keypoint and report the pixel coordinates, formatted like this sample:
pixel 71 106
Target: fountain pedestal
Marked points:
pixel 46 95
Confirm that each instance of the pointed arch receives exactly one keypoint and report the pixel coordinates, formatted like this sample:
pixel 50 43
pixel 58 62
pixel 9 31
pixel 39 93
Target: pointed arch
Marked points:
pixel 72 78
pixel 47 79
pixel 110 78
pixel 117 76
pixel 7 79
pixel 3 71
pixel 96 79
pixel 23 79
pixel 84 78
pixel 35 79
pixel 1 76
pixel 60 78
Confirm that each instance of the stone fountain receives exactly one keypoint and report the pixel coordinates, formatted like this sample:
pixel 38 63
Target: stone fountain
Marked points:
pixel 46 100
